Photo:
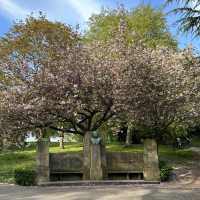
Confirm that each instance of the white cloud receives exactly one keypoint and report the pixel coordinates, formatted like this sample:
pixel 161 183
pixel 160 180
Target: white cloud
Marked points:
pixel 85 8
pixel 13 10
pixel 68 11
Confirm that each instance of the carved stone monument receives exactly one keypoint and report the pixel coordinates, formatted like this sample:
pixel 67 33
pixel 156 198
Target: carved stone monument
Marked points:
pixel 96 170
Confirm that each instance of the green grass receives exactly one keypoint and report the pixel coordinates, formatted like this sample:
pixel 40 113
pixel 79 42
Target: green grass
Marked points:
pixel 9 161
pixel 70 148
pixel 122 148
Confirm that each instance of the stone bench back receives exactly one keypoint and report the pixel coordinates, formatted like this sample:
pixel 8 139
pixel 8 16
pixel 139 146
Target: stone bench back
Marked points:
pixel 65 162
pixel 116 162
pixel 125 162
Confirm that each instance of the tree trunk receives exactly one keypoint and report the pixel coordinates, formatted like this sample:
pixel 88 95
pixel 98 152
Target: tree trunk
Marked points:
pixel 1 143
pixel 20 141
pixel 129 135
pixel 62 146
pixel 5 143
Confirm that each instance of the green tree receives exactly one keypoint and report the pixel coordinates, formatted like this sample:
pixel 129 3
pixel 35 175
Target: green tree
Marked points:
pixel 189 15
pixel 58 82
pixel 144 24
pixel 29 53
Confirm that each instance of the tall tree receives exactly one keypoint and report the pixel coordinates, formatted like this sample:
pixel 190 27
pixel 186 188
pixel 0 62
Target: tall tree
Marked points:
pixel 57 83
pixel 30 54
pixel 145 24
pixel 189 15
pixel 155 87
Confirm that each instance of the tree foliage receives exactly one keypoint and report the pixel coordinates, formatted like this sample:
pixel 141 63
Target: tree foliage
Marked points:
pixel 56 82
pixel 156 87
pixel 144 25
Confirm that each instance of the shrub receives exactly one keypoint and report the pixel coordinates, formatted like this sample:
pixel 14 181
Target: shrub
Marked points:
pixel 165 171
pixel 25 177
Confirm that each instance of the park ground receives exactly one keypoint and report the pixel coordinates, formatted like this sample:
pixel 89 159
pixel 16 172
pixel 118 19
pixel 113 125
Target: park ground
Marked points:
pixel 8 192
pixel 184 185
pixel 185 162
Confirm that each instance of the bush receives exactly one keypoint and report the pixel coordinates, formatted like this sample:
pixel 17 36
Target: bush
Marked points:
pixel 165 171
pixel 25 177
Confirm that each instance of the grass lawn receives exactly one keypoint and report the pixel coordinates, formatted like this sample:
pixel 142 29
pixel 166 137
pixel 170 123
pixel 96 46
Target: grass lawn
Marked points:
pixel 9 161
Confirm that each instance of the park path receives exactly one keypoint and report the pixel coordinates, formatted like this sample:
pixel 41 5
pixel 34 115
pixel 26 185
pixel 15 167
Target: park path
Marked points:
pixel 133 192
pixel 188 174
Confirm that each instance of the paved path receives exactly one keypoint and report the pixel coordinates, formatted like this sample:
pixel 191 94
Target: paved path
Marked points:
pixel 8 192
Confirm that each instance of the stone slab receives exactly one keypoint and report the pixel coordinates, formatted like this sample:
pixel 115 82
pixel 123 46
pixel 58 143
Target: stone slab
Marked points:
pixel 116 162
pixel 98 183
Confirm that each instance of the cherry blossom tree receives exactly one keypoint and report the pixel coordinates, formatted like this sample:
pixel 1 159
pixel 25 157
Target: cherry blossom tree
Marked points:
pixel 156 86
pixel 30 54
pixel 56 82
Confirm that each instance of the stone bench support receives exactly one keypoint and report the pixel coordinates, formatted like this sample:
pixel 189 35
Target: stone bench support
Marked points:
pixel 43 172
pixel 151 169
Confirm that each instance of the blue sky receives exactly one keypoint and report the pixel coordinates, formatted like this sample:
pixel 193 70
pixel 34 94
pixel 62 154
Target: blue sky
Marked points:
pixel 77 12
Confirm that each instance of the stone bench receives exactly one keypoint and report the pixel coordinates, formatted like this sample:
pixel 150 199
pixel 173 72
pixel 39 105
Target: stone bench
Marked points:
pixel 122 166
pixel 118 165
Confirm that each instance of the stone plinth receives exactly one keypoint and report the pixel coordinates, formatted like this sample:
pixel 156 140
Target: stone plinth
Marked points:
pixel 94 158
pixel 86 156
pixel 43 160
pixel 96 170
pixel 151 165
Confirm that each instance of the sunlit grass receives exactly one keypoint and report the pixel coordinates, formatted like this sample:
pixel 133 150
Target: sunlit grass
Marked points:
pixel 70 148
pixel 123 148
pixel 11 160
